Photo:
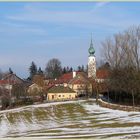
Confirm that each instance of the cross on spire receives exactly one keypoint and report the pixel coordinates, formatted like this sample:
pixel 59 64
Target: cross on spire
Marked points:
pixel 91 38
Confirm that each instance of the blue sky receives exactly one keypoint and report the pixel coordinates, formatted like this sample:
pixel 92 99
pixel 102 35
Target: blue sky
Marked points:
pixel 41 31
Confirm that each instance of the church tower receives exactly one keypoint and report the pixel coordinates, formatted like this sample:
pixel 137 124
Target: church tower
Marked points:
pixel 91 62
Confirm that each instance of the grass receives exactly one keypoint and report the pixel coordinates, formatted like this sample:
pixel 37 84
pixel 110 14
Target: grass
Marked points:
pixel 67 118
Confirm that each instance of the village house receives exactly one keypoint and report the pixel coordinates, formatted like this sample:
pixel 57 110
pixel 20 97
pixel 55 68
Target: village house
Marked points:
pixel 61 93
pixel 34 88
pixel 35 92
pixel 6 84
pixel 102 75
pixel 81 82
pixel 9 80
pixel 13 77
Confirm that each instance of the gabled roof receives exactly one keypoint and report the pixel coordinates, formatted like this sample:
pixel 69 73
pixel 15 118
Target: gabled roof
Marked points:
pixel 81 78
pixel 4 82
pixel 60 89
pixel 65 78
pixel 13 77
pixel 68 77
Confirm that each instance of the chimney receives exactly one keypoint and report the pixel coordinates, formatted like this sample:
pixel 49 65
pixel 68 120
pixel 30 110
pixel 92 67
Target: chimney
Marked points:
pixel 74 74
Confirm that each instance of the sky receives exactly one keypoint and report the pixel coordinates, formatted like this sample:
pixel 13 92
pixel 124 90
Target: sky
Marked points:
pixel 41 31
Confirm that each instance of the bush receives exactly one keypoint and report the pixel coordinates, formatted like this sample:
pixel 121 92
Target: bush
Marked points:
pixel 5 102
pixel 21 102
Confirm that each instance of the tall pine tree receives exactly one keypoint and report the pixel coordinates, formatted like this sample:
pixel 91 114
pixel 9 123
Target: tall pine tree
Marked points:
pixel 40 72
pixel 33 70
pixel 10 71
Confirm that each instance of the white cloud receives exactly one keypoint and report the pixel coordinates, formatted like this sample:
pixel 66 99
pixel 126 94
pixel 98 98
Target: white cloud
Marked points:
pixel 100 5
pixel 101 19
pixel 98 16
pixel 18 28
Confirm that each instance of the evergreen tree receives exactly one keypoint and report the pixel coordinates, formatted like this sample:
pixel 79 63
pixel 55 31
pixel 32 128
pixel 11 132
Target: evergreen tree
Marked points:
pixel 64 70
pixel 33 70
pixel 79 69
pixel 10 71
pixel 82 68
pixel 71 69
pixel 40 72
pixel 67 69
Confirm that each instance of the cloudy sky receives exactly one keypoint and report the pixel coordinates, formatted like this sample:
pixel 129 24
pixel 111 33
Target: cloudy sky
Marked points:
pixel 41 31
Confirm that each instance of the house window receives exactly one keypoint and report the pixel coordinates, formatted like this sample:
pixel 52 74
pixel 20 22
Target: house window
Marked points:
pixel 59 95
pixel 52 96
pixel 63 95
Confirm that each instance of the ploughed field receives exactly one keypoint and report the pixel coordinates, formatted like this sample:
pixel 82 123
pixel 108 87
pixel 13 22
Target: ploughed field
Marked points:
pixel 71 119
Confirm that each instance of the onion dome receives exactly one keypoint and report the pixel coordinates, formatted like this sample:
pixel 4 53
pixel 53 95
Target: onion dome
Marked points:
pixel 91 50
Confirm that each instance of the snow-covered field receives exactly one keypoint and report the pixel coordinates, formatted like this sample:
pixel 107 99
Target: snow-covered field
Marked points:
pixel 72 119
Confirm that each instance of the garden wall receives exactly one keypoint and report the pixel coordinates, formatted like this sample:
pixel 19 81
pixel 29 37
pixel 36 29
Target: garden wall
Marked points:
pixel 117 107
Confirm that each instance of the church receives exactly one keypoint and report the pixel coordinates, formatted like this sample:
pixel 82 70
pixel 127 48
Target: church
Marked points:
pixel 91 62
pixel 82 82
pixel 99 75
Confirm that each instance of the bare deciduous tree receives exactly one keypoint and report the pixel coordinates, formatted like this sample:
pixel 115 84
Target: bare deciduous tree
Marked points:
pixel 122 51
pixel 53 68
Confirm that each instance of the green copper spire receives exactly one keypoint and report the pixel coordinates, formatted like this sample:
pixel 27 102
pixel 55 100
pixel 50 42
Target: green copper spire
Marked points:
pixel 91 49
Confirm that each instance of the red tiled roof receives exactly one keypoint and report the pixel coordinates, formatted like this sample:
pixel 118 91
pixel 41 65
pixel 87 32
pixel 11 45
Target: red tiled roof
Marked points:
pixel 4 82
pixel 65 78
pixel 48 87
pixel 102 74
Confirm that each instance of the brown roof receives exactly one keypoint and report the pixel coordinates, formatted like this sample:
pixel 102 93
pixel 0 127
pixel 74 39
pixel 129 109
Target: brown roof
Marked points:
pixel 13 77
pixel 81 78
pixel 65 78
pixel 60 89
pixel 102 74
pixel 68 77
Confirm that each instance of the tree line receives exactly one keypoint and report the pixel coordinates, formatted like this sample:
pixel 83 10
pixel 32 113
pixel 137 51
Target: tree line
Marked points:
pixel 53 69
pixel 122 51
pixel 122 54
